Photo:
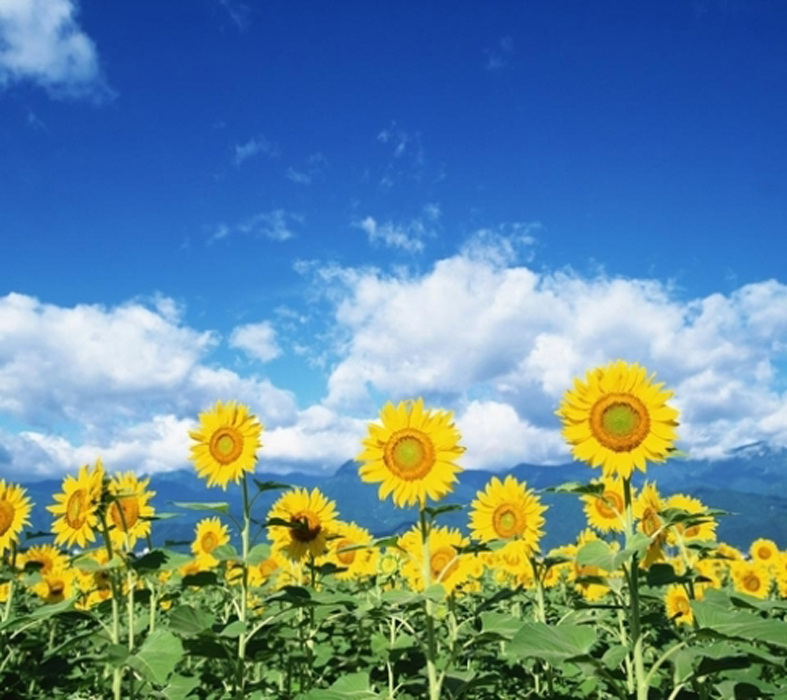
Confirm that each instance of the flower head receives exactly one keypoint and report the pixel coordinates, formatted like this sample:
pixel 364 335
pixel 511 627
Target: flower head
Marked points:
pixel 14 513
pixel 411 454
pixel 78 506
pixel 312 519
pixel 618 419
pixel 129 512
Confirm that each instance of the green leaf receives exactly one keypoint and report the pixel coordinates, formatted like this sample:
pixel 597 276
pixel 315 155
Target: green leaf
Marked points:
pixel 596 553
pixel 577 487
pixel 354 686
pixel 434 511
pixel 739 624
pixel 190 621
pixel 258 554
pixel 499 625
pixel 225 552
pixel 269 485
pixel 158 656
pixel 179 687
pixel 554 644
pixel 215 507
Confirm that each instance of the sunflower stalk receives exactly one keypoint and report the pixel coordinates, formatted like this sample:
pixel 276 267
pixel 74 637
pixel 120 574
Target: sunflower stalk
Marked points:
pixel 117 671
pixel 435 682
pixel 632 576
pixel 244 538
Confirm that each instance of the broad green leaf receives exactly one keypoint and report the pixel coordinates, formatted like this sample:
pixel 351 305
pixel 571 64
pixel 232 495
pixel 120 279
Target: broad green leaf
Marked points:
pixel 500 625
pixel 739 623
pixel 354 686
pixel 269 485
pixel 596 553
pixel 157 657
pixel 258 554
pixel 179 687
pixel 577 487
pixel 224 552
pixel 215 507
pixel 434 511
pixel 554 644
pixel 190 621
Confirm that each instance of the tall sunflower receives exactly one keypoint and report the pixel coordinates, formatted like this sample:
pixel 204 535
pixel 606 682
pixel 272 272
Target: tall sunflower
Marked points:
pixel 618 419
pixel 411 454
pixel 507 510
pixel 129 512
pixel 225 443
pixel 78 506
pixel 14 513
pixel 312 519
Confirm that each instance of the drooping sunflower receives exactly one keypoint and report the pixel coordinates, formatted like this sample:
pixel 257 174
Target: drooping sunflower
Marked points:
pixel 77 506
pixel 411 454
pixel 209 534
pixel 14 513
pixel 446 565
pixel 129 513
pixel 357 562
pixel 678 605
pixel 508 510
pixel 47 556
pixel 705 530
pixel 225 443
pixel 764 551
pixel 313 519
pixel 606 512
pixel 648 507
pixel 618 419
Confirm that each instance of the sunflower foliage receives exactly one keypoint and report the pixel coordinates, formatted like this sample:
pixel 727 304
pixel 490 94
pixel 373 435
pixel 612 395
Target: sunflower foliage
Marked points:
pixel 295 602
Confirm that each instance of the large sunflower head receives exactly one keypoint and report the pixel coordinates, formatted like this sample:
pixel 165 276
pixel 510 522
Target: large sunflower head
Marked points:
pixel 78 506
pixel 57 585
pixel 507 510
pixel 606 511
pixel 312 519
pixel 752 578
pixel 225 443
pixel 411 454
pixel 129 512
pixel 764 551
pixel 678 605
pixel 342 552
pixel 14 513
pixel 618 419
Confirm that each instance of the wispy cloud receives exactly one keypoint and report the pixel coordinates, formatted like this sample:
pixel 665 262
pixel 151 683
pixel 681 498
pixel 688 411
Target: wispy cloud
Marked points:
pixel 276 225
pixel 238 12
pixel 42 42
pixel 500 56
pixel 314 167
pixel 407 158
pixel 255 146
pixel 408 236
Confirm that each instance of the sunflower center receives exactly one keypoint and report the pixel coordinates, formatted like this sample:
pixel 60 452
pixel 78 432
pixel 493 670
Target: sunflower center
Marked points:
pixel 56 587
pixel 45 561
pixel 610 505
pixel 508 521
pixel 443 563
pixel 682 604
pixel 6 517
pixel 209 542
pixel 345 558
pixel 125 512
pixel 409 454
pixel 619 422
pixel 762 552
pixel 76 509
pixel 226 444
pixel 307 526
pixel 650 522
pixel 752 583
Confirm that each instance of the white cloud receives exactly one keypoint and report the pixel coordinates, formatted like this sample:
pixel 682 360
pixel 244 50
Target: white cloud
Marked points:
pixel 257 340
pixel 91 379
pixel 408 236
pixel 314 167
pixel 41 41
pixel 478 327
pixel 276 225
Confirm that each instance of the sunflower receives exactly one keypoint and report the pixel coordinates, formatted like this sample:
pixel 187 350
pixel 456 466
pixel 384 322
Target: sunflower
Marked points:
pixel 356 562
pixel 764 551
pixel 411 454
pixel 507 510
pixel 751 577
pixel 57 585
pixel 647 507
pixel 583 575
pixel 618 419
pixel 129 512
pixel 78 506
pixel 699 531
pixel 226 443
pixel 446 565
pixel 14 513
pixel 606 511
pixel 678 605
pixel 312 517
pixel 46 556
pixel 781 574
pixel 209 534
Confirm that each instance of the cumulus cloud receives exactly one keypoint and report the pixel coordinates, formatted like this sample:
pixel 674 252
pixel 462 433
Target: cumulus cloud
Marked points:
pixel 477 325
pixel 253 147
pixel 257 340
pixel 90 379
pixel 42 42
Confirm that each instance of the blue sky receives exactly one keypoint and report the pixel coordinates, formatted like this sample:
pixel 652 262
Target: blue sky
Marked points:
pixel 315 208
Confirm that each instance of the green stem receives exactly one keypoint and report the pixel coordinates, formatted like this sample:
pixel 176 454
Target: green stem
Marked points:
pixel 431 641
pixel 117 672
pixel 634 606
pixel 244 538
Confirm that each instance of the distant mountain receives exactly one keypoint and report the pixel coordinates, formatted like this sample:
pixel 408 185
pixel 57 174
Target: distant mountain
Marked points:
pixel 752 483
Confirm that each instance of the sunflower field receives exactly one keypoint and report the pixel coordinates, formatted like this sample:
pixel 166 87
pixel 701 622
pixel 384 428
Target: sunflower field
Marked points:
pixel 646 603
